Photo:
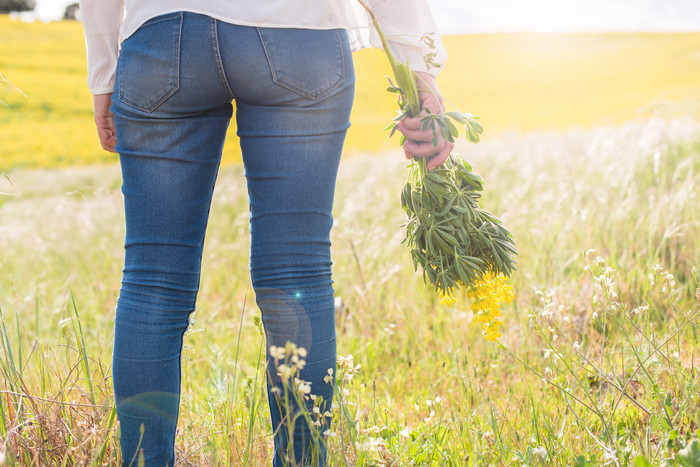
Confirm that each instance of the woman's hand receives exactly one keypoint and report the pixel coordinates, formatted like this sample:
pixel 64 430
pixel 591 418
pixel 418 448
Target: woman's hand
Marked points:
pixel 419 143
pixel 104 120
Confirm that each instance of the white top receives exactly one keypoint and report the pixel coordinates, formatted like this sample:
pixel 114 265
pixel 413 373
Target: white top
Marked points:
pixel 404 22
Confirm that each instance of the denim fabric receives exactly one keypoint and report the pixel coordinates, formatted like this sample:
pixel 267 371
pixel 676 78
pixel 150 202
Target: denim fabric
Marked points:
pixel 176 78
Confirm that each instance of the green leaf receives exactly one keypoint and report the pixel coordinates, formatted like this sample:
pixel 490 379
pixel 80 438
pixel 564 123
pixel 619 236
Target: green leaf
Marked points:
pixel 458 116
pixel 452 128
pixel 666 425
pixel 472 135
pixel 445 132
pixel 581 461
pixel 689 456
pixel 476 126
pixel 640 461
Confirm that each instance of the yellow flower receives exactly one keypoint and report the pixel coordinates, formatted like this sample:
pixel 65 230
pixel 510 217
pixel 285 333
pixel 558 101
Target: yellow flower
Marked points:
pixel 486 297
pixel 447 298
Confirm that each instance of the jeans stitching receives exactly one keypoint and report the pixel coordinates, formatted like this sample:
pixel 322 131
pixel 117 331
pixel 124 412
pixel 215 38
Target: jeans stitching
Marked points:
pixel 176 84
pixel 217 57
pixel 340 63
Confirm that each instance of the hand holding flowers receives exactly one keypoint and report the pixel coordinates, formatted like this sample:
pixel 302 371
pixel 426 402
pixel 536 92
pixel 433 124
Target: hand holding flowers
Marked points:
pixel 456 242
pixel 418 142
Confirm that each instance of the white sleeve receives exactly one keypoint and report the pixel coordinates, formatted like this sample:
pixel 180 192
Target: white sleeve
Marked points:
pixel 102 20
pixel 411 32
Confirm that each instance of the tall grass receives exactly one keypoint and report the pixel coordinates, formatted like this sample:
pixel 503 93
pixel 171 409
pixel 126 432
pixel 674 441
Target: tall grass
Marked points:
pixel 598 365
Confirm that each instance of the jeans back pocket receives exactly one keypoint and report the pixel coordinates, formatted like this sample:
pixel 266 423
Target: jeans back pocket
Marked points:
pixel 148 70
pixel 309 62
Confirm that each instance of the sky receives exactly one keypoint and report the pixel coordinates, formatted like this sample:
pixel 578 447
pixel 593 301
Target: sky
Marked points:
pixel 472 16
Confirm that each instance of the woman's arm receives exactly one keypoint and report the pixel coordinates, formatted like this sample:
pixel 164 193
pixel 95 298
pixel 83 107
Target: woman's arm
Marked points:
pixel 101 21
pixel 414 39
pixel 412 34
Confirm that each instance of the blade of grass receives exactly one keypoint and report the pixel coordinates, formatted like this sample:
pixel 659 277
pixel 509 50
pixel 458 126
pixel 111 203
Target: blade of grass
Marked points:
pixel 80 339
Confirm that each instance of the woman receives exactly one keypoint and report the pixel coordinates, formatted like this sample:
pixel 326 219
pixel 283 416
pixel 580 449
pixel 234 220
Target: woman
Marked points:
pixel 163 74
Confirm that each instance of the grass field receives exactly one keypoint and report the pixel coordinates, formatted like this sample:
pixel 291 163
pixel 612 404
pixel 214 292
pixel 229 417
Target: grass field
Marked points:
pixel 430 390
pixel 599 363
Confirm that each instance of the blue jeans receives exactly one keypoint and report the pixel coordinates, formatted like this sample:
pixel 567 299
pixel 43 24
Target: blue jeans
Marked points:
pixel 176 78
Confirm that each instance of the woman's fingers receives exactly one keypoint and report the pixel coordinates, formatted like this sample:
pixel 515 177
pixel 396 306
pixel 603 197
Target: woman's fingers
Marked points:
pixel 422 149
pixel 437 154
pixel 411 129
pixel 440 158
pixel 107 139
pixel 419 142
pixel 104 121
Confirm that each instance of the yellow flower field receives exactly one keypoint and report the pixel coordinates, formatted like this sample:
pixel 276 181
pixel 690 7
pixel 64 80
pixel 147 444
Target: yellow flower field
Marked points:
pixel 514 81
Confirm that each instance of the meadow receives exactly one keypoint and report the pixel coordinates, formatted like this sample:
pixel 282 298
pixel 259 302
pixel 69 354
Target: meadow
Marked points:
pixel 599 362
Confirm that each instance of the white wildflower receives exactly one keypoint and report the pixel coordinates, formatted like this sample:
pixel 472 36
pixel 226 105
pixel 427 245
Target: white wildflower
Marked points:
pixel 338 304
pixel 640 309
pixel 539 452
pixel 277 353
pixel 610 457
pixel 304 387
pixel 284 372
pixel 329 377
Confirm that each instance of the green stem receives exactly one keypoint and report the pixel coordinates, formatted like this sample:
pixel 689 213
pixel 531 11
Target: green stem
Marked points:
pixel 405 77
pixel 422 166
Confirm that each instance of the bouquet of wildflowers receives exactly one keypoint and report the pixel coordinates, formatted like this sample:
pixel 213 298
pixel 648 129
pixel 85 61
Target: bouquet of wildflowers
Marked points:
pixel 457 244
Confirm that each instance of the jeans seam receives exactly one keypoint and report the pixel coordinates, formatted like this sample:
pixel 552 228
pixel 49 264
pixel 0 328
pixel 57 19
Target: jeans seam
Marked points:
pixel 176 86
pixel 217 57
pixel 279 81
